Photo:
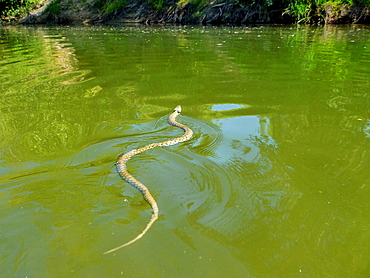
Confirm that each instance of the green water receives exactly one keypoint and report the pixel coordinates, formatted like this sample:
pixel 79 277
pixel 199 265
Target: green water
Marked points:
pixel 274 183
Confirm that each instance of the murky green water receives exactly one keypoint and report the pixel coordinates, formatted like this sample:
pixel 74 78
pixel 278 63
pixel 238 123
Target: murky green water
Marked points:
pixel 275 182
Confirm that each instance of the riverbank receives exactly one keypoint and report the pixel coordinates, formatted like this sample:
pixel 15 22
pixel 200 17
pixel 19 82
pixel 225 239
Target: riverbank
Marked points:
pixel 195 11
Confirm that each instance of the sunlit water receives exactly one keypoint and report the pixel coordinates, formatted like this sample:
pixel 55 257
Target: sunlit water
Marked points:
pixel 274 183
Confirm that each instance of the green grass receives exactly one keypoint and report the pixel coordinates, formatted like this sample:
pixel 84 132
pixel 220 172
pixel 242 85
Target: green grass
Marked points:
pixel 110 6
pixel 16 8
pixel 54 8
pixel 302 10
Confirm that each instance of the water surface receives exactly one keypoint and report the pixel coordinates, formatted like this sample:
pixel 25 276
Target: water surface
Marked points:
pixel 274 183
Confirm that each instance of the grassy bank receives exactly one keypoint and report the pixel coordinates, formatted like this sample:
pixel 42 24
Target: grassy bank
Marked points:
pixel 187 11
pixel 13 9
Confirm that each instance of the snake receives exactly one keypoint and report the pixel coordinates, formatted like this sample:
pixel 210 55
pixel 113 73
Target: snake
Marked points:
pixel 123 172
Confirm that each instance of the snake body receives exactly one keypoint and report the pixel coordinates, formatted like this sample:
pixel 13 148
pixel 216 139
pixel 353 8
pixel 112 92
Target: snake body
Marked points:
pixel 122 170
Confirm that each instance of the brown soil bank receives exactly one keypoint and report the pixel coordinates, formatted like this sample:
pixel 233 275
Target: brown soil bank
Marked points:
pixel 212 12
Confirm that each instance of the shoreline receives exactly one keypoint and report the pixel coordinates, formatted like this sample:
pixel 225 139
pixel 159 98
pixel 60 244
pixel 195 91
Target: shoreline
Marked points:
pixel 185 12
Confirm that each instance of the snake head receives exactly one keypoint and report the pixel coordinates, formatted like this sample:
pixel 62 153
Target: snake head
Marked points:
pixel 177 109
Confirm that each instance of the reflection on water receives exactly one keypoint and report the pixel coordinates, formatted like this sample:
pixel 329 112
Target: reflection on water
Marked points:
pixel 239 131
pixel 274 183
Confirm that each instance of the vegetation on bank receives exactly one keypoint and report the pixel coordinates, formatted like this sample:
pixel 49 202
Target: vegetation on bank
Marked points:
pixel 188 11
pixel 16 8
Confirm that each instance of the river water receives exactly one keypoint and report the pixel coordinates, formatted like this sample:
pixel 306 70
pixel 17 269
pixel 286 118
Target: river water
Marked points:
pixel 274 183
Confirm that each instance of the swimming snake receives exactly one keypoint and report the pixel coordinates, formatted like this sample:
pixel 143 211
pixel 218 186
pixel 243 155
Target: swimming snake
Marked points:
pixel 122 170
